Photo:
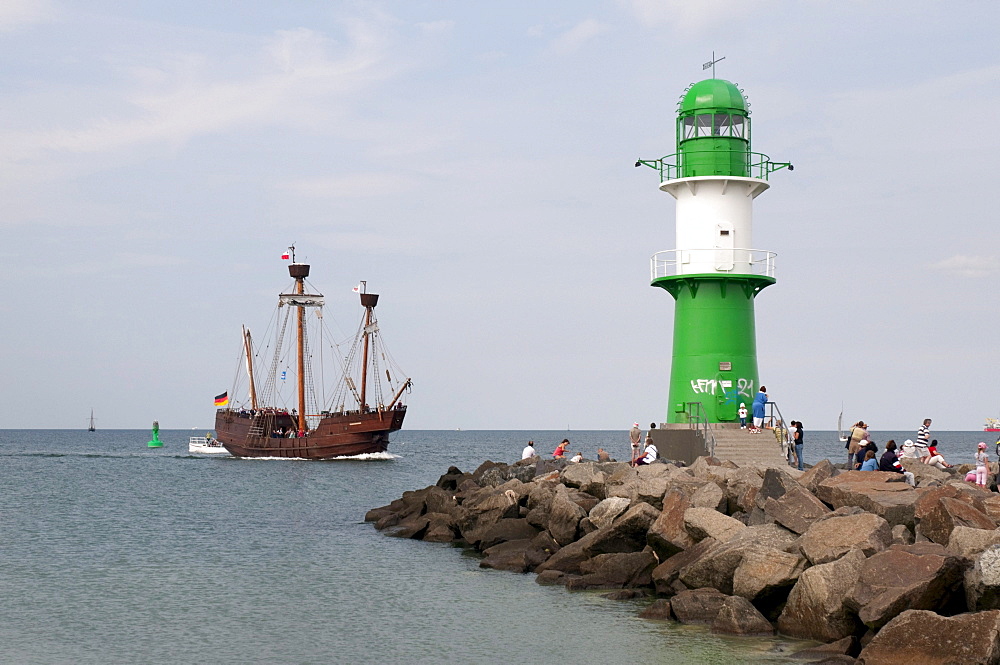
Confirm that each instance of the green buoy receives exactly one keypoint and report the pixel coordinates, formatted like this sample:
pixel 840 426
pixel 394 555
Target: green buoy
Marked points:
pixel 156 443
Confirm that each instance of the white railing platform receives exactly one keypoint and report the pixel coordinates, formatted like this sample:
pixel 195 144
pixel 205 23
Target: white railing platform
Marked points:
pixel 736 261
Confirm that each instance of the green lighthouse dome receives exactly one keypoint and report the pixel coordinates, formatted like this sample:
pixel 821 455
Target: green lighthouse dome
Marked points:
pixel 713 95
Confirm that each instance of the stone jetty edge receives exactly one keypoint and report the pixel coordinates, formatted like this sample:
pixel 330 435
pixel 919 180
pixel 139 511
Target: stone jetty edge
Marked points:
pixel 879 571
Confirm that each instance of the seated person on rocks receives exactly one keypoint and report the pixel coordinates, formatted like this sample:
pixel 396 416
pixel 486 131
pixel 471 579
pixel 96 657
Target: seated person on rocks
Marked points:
pixel 602 455
pixel 909 450
pixel 890 462
pixel 649 455
pixel 863 447
pixel 870 463
pixel 577 458
pixel 934 458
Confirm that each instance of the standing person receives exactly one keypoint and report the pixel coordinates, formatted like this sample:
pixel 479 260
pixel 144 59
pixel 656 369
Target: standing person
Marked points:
pixel 788 444
pixel 924 433
pixel 858 434
pixel 758 407
pixel 743 415
pixel 800 437
pixel 529 451
pixel 982 465
pixel 634 437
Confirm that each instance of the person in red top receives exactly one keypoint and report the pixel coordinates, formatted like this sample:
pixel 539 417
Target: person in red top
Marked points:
pixel 934 458
pixel 560 451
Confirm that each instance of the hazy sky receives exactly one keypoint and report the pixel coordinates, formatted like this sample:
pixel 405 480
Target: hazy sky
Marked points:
pixel 474 163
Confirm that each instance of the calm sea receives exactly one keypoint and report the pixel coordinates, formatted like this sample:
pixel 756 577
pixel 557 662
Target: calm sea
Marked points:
pixel 112 552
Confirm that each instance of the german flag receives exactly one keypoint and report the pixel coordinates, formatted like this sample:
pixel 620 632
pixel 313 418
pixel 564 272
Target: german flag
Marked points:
pixel 223 399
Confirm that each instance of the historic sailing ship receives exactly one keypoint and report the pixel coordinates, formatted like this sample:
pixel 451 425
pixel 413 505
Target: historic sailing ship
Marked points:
pixel 356 419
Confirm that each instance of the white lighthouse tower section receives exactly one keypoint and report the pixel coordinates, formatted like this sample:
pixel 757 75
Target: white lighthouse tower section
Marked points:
pixel 714 220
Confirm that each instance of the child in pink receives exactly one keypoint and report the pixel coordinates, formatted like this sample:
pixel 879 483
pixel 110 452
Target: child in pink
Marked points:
pixel 982 465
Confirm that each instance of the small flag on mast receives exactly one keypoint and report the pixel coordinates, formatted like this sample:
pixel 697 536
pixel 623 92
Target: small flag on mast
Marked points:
pixel 357 288
pixel 284 255
pixel 223 399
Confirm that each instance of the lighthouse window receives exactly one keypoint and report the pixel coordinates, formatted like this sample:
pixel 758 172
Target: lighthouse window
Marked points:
pixel 689 127
pixel 704 125
pixel 721 125
pixel 737 124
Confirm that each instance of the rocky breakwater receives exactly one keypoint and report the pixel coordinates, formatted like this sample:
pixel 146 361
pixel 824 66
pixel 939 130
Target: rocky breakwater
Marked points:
pixel 880 571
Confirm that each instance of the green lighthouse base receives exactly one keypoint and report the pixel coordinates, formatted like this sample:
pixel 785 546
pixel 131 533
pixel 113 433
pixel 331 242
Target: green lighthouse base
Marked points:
pixel 714 345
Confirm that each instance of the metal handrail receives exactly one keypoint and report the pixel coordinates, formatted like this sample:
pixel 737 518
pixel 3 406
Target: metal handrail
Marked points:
pixel 772 421
pixel 665 263
pixel 757 164
pixel 698 420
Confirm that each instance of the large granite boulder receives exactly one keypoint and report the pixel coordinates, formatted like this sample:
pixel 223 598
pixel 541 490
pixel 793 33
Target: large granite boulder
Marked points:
pixel 564 517
pixel 775 484
pixel 982 581
pixel 508 528
pixel 766 576
pixel 658 610
pixel 440 528
pixel 615 571
pixel 968 542
pixel 816 607
pixel 796 509
pixel 923 576
pixel 924 474
pixel 708 495
pixel 666 575
pixel 707 523
pixel 940 513
pixel 920 637
pixel 697 605
pixel 520 556
pixel 604 513
pixel 878 492
pixel 742 487
pixel 667 534
pixel 817 474
pixel 829 539
pixel 738 616
pixel 589 477
pixel 717 567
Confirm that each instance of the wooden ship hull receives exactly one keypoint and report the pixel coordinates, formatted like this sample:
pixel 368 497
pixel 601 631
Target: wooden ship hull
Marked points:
pixel 337 435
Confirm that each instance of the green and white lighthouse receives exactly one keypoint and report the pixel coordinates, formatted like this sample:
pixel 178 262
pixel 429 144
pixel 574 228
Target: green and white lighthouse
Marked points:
pixel 714 273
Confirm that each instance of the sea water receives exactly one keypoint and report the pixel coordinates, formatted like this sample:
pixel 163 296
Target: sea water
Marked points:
pixel 113 552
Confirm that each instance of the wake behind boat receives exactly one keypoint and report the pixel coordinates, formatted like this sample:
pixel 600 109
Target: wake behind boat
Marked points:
pixel 356 420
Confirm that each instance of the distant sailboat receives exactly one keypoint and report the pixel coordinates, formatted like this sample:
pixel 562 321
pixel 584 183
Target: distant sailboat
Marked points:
pixel 91 428
pixel 840 424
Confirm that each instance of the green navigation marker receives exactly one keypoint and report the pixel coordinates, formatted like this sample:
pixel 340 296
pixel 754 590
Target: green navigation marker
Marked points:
pixel 155 442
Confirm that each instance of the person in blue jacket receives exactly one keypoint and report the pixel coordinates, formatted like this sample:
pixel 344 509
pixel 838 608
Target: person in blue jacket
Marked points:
pixel 758 407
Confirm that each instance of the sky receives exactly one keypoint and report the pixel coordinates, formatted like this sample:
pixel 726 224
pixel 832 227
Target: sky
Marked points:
pixel 473 162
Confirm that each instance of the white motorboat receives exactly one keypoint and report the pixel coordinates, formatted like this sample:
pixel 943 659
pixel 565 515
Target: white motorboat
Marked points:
pixel 206 446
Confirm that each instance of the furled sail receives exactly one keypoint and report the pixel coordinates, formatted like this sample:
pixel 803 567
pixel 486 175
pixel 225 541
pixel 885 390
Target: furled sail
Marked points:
pixel 301 299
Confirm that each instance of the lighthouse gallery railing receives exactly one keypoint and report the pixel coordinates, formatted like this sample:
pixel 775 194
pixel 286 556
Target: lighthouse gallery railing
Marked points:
pixel 670 262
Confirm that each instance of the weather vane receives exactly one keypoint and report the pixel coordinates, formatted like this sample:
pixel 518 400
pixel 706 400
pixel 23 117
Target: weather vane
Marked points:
pixel 711 63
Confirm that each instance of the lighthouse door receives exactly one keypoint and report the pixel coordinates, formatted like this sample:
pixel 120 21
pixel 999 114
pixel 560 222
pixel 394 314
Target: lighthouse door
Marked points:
pixel 724 244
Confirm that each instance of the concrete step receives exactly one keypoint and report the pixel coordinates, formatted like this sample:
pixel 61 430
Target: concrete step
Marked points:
pixel 744 448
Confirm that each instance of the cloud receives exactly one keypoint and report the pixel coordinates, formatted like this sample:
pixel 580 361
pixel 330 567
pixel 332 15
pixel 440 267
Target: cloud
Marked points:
pixel 690 17
pixel 356 185
pixel 18 13
pixel 967 266
pixel 577 36
pixel 294 80
pixel 436 27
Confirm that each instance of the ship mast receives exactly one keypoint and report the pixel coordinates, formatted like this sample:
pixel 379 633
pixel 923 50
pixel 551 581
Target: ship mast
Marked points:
pixel 248 351
pixel 299 271
pixel 368 300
